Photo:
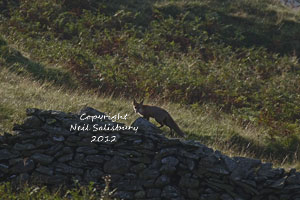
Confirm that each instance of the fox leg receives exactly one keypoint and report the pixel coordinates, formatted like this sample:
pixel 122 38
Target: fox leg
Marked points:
pixel 171 132
pixel 160 122
pixel 161 125
pixel 146 117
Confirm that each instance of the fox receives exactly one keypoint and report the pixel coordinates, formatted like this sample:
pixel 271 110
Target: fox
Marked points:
pixel 159 114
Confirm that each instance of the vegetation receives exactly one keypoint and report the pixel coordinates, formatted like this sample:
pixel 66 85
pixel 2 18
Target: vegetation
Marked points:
pixel 227 70
pixel 26 191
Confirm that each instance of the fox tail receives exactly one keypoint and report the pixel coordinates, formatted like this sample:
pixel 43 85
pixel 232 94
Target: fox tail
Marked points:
pixel 172 125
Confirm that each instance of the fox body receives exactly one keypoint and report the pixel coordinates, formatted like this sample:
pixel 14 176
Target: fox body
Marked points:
pixel 159 114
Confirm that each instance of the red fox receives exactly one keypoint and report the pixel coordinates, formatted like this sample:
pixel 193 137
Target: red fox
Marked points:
pixel 159 114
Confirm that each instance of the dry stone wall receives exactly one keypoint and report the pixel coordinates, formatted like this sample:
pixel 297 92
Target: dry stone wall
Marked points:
pixel 142 164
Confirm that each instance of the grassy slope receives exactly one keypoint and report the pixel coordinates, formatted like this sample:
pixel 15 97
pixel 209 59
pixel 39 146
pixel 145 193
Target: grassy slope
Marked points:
pixel 204 123
pixel 18 93
pixel 46 69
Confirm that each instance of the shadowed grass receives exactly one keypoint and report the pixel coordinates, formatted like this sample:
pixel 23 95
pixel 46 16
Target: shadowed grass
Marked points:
pixel 204 123
pixel 238 55
pixel 9 191
pixel 16 62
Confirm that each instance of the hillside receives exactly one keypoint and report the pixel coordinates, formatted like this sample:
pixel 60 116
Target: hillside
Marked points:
pixel 228 71
pixel 141 163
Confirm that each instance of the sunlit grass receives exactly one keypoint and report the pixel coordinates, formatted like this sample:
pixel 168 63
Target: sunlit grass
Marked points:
pixel 49 67
pixel 205 123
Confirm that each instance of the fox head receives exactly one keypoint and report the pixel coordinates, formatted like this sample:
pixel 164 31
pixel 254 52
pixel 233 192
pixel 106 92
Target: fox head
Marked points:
pixel 137 106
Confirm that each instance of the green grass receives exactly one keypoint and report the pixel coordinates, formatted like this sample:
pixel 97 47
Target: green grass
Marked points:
pixel 8 191
pixel 201 122
pixel 228 71
pixel 239 57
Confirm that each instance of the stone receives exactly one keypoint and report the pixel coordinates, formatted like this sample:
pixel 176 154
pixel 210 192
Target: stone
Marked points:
pixel 59 138
pixel 93 175
pixel 148 145
pixel 145 126
pixel 267 171
pixel 244 167
pixel 193 193
pixel 167 169
pixel 247 162
pixel 218 169
pixel 123 195
pixel 24 147
pixel 51 121
pixel 149 183
pixel 170 160
pixel 162 181
pixel 31 111
pixel 141 159
pixel 95 159
pixel 130 185
pixel 155 164
pixel 51 180
pixel 117 165
pixel 54 149
pixel 42 158
pixel 293 179
pixel 292 187
pixel 2 139
pixel 229 163
pixel 37 134
pixel 23 166
pixel 96 173
pixel 185 154
pixel 142 165
pixel 149 174
pixel 55 131
pixel 44 170
pixel 250 189
pixel 67 150
pixel 208 161
pixel 188 182
pixel 87 150
pixel 226 197
pixel 6 154
pixel 137 168
pixel 153 193
pixel 73 139
pixel 273 197
pixel 32 122
pixel 279 184
pixel 209 196
pixel 84 134
pixel 65 158
pixel 250 182
pixel 4 168
pixel 79 157
pixel 140 195
pixel 14 161
pixel 220 185
pixel 42 144
pixel 190 164
pixel 170 192
pixel 63 168
pixel 78 164
pixel 166 152
pixel 130 176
